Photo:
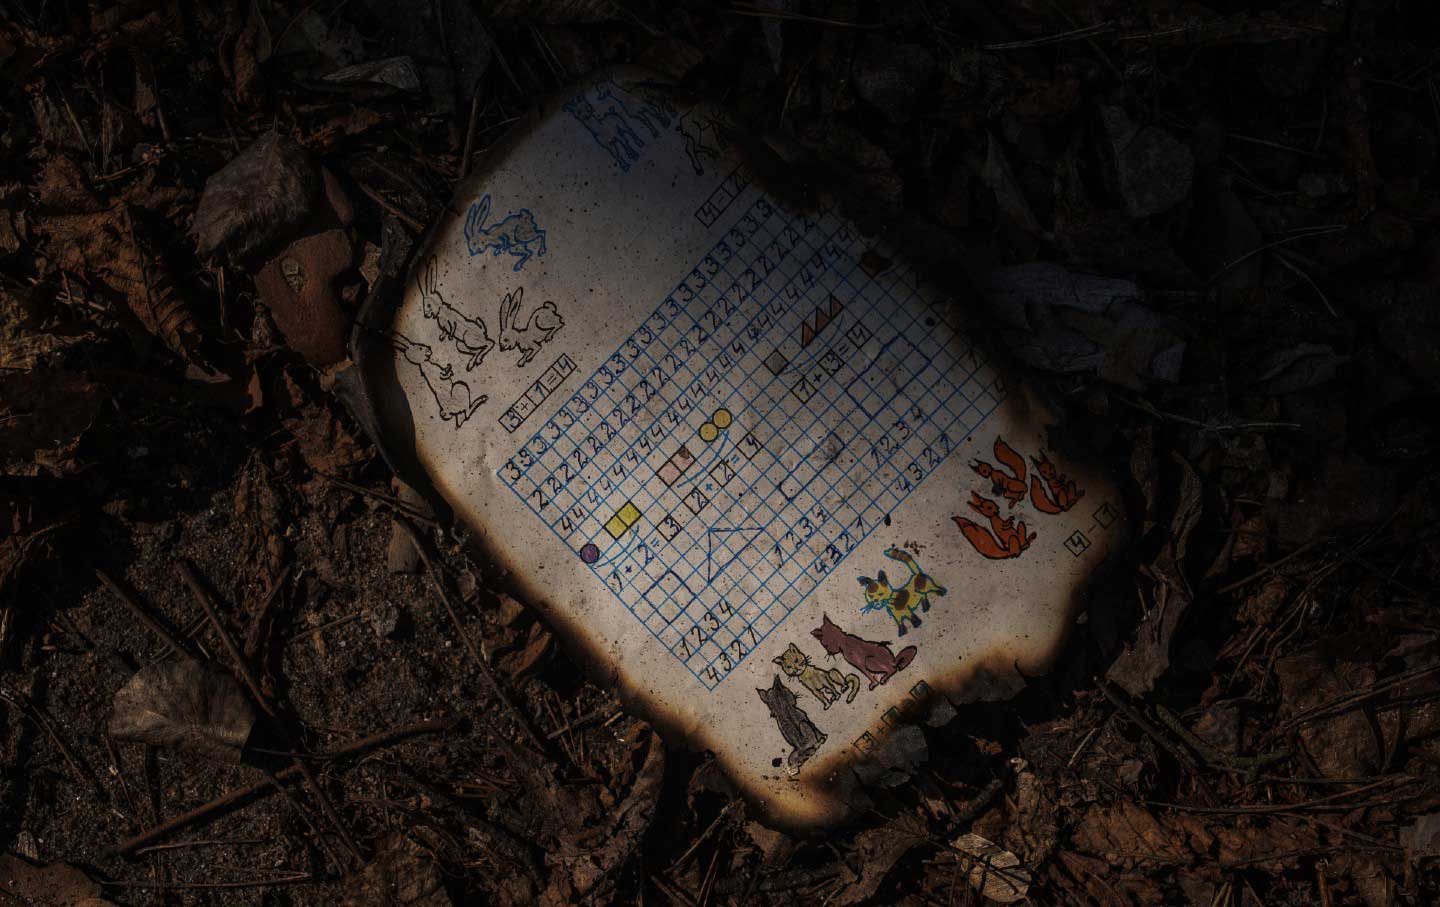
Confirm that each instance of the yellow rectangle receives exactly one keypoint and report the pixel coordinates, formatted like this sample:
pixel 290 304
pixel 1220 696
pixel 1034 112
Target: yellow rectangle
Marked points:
pixel 629 513
pixel 616 526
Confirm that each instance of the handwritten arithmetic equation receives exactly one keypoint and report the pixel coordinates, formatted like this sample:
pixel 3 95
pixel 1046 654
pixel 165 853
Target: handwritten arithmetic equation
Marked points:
pixel 770 413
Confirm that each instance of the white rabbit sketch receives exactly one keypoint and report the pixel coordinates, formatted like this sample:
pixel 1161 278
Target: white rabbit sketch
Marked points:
pixel 534 332
pixel 453 397
pixel 470 335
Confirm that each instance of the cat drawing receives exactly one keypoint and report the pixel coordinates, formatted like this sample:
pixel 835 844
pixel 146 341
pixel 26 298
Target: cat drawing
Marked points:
pixel 828 684
pixel 903 600
pixel 873 659
pixel 795 726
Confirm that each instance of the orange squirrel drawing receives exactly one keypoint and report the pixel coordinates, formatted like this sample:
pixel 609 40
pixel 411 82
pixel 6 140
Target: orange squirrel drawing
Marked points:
pixel 1011 485
pixel 1062 493
pixel 1008 539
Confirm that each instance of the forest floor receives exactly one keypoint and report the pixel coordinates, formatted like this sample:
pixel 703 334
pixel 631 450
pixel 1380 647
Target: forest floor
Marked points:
pixel 1236 198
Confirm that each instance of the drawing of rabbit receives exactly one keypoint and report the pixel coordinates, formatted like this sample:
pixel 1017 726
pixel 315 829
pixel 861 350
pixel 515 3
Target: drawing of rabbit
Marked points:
pixel 704 134
pixel 471 337
pixel 453 397
pixel 533 333
pixel 515 233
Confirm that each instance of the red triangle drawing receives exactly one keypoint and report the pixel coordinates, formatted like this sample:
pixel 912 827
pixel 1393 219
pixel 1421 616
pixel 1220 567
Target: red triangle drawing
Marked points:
pixel 821 319
pixel 835 305
pixel 806 335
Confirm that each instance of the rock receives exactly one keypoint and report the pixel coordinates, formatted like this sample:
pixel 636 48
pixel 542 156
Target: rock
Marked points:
pixel 398 73
pixel 1061 321
pixel 400 555
pixel 384 619
pixel 265 192
pixel 298 286
pixel 1153 168
pixel 891 76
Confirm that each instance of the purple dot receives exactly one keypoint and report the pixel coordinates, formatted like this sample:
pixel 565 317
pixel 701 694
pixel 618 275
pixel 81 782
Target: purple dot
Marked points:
pixel 589 554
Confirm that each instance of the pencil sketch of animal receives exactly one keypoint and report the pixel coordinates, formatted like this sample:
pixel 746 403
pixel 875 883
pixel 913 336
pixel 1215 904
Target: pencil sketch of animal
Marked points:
pixel 900 601
pixel 527 336
pixel 516 233
pixel 873 659
pixel 795 726
pixel 704 133
pixel 471 338
pixel 453 397
pixel 647 109
pixel 609 130
pixel 828 684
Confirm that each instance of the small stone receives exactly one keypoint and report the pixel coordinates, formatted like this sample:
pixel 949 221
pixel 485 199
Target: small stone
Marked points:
pixel 298 287
pixel 26 845
pixel 384 619
pixel 257 199
pixel 891 76
pixel 1154 169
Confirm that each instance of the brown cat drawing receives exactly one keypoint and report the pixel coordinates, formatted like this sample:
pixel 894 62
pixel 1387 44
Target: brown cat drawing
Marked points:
pixel 873 659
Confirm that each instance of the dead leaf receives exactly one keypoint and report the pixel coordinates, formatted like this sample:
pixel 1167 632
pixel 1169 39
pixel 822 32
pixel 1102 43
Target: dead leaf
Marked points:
pixel 402 874
pixel 12 218
pixel 1299 367
pixel 186 704
pixel 581 870
pixel 994 872
pixel 553 12
pixel 877 850
pixel 327 445
pixel 528 656
pixel 997 176
pixel 1262 604
pixel 1422 837
pixel 393 72
pixel 31 333
pixel 1342 745
pixel 45 413
pixel 1127 832
pixel 24 884
pixel 1098 884
pixel 106 243
pixel 1137 669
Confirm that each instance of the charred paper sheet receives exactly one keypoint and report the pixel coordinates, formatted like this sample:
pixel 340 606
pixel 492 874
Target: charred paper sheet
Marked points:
pixel 751 464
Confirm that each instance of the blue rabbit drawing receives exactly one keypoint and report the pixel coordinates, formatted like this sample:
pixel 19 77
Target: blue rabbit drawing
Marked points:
pixel 515 233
